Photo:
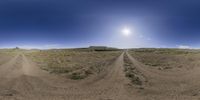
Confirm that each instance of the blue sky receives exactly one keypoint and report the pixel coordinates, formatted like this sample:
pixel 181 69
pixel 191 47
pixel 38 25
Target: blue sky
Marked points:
pixel 81 23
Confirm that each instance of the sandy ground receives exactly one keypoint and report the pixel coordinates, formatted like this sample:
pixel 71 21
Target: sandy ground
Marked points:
pixel 21 79
pixel 161 85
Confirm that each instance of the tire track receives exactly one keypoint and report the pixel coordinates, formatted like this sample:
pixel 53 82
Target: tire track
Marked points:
pixel 168 86
pixel 29 82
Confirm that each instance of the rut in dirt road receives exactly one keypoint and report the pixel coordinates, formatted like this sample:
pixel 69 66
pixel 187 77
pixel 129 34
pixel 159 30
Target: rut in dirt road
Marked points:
pixel 25 81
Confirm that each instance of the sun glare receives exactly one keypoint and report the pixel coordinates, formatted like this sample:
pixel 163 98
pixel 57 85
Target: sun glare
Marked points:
pixel 126 31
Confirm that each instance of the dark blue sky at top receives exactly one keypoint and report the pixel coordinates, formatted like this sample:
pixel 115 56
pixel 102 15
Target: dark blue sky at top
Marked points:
pixel 79 23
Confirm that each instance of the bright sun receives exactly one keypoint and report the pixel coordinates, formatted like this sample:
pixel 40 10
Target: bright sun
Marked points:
pixel 126 31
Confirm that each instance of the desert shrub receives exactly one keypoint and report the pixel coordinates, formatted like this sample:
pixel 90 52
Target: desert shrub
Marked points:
pixel 77 76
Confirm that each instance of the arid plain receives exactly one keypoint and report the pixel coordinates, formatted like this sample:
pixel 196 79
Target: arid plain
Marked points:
pixel 85 74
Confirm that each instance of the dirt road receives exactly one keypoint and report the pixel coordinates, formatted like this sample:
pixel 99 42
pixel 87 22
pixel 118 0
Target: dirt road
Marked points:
pixel 21 79
pixel 161 85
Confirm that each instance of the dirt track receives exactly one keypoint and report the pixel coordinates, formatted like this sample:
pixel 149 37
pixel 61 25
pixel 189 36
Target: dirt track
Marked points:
pixel 182 85
pixel 22 80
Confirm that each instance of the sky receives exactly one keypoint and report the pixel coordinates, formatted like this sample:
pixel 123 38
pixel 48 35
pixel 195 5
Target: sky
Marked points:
pixel 81 23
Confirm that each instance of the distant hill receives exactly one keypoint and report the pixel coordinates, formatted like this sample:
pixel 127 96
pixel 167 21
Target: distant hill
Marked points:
pixel 102 48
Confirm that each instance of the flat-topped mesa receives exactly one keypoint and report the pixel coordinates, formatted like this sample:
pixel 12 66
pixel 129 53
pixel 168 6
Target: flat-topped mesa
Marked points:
pixel 17 48
pixel 102 48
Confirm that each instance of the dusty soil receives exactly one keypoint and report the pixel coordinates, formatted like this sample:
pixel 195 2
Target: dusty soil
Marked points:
pixel 22 79
pixel 168 85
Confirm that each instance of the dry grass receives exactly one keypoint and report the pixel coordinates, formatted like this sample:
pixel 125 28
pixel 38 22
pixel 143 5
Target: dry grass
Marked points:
pixel 166 59
pixel 75 64
pixel 132 73
pixel 6 55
